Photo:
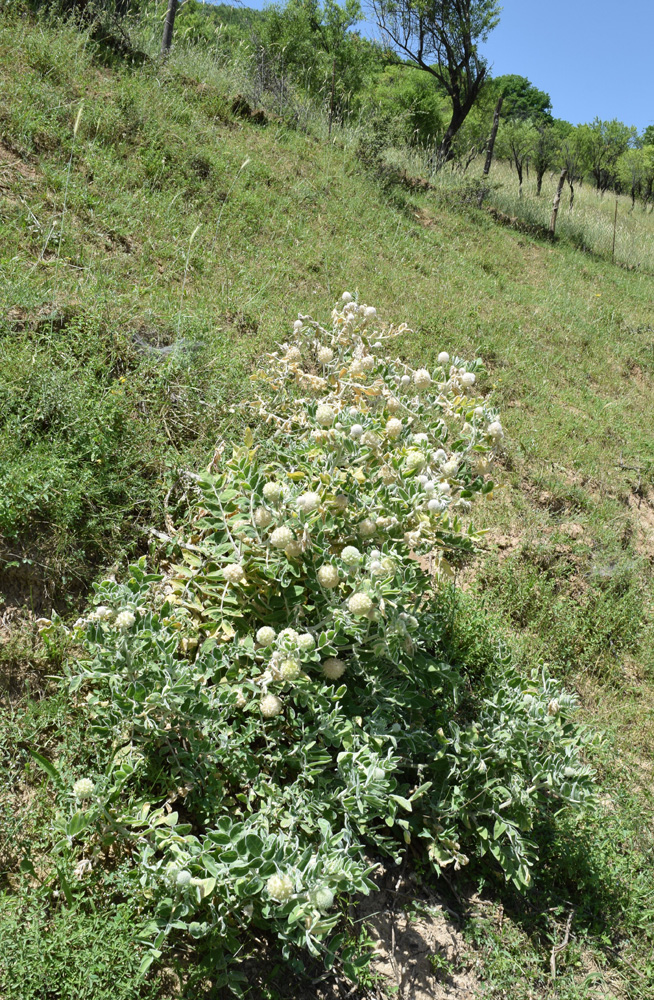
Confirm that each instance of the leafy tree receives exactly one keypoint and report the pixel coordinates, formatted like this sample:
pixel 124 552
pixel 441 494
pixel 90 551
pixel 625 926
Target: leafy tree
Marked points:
pixel 440 37
pixel 309 41
pixel 516 141
pixel 635 171
pixel 521 99
pixel 572 157
pixel 403 93
pixel 603 144
pixel 647 137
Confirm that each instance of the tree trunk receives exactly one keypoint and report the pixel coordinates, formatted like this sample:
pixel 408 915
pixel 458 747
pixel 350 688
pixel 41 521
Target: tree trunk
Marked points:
pixel 518 166
pixel 539 182
pixel 493 136
pixel 557 202
pixel 572 194
pixel 169 24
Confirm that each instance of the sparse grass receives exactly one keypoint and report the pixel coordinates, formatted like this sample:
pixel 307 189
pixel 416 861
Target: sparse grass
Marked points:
pixel 97 423
pixel 588 225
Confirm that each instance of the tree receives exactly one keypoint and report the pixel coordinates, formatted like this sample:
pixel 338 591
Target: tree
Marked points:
pixel 521 99
pixel 635 170
pixel 572 160
pixel 603 144
pixel 440 37
pixel 515 142
pixel 312 41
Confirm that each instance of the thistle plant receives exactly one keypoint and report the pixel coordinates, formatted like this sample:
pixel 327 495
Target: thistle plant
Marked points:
pixel 286 680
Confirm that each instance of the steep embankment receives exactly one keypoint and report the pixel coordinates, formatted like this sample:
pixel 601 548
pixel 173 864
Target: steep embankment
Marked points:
pixel 145 264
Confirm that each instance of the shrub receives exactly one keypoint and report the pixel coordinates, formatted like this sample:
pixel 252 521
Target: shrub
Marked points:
pixel 278 706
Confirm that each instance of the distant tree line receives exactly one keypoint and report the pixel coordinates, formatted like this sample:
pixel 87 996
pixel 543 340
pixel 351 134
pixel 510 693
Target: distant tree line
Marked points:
pixel 426 84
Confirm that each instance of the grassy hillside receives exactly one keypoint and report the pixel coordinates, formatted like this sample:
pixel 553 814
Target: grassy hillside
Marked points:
pixel 148 256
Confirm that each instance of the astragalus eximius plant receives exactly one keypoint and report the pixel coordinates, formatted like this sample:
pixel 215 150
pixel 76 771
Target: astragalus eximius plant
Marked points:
pixel 277 709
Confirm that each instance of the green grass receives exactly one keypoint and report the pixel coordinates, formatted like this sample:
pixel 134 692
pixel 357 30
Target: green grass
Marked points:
pixel 97 425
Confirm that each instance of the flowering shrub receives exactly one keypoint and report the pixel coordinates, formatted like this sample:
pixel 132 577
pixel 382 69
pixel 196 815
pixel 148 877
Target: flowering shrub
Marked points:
pixel 284 685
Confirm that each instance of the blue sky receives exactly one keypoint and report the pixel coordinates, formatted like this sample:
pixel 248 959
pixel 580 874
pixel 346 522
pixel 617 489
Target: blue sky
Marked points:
pixel 594 59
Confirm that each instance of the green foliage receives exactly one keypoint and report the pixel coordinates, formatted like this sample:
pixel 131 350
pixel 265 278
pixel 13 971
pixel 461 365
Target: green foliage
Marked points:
pixel 310 43
pixel 71 953
pixel 408 97
pixel 603 143
pixel 285 686
pixel 521 99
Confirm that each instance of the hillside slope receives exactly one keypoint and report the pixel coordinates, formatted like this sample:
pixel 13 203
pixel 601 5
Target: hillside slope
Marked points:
pixel 151 254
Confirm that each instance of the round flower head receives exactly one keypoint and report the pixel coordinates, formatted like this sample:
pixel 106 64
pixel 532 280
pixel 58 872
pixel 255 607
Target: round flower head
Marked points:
pixel 325 415
pixel 234 573
pixel 422 379
pixel 125 620
pixel 346 297
pixel 273 492
pixel 414 459
pixel 376 568
pixel 356 431
pixel 378 773
pixel 367 527
pixel 325 355
pixel 103 613
pixel 405 380
pixel 281 537
pixel 298 325
pixel 370 312
pixel 333 668
pixel 451 468
pixel 368 363
pixel 496 430
pixel 306 642
pixel 322 898
pixel 350 555
pixel 393 428
pixel 429 487
pixel 377 346
pixel 328 576
pixel 440 455
pixel 307 502
pixel 359 604
pixel 262 517
pixel 479 411
pixel 290 670
pixel 371 440
pixel 183 878
pixel 266 635
pixel 356 367
pixel 420 438
pixel 434 506
pixel 554 707
pixel 387 475
pixel 83 788
pixel 341 501
pixel 389 566
pixel 279 888
pixel 270 706
pixel 241 700
pixel 443 358
pixel 288 636
pixel 294 354
pixel 393 405
pixel 293 550
pixel 468 379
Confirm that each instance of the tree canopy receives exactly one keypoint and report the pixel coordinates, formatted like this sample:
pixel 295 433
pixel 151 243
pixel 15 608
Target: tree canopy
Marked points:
pixel 441 38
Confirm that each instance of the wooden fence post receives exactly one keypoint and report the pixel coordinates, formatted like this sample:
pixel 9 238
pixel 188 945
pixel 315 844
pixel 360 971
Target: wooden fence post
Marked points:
pixel 615 225
pixel 557 201
pixel 169 24
pixel 331 103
